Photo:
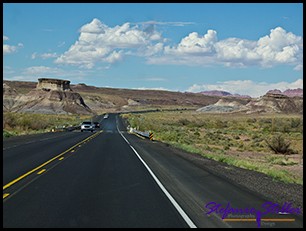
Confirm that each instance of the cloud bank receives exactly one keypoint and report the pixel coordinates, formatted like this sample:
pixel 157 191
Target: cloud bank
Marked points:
pixel 279 47
pixel 246 87
pixel 99 43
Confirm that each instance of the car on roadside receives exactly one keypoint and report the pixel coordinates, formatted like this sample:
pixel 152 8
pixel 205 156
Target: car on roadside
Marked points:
pixel 70 128
pixel 87 126
pixel 97 125
pixel 105 116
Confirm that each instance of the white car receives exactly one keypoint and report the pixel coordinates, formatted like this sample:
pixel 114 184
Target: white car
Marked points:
pixel 87 126
pixel 106 116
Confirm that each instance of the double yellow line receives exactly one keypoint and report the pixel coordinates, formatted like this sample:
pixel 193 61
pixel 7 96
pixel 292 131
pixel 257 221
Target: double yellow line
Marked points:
pixel 47 162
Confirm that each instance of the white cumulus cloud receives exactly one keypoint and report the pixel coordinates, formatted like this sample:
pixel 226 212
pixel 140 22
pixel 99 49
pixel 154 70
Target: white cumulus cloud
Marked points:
pixel 114 57
pixel 8 49
pixel 279 47
pixel 195 44
pixel 99 43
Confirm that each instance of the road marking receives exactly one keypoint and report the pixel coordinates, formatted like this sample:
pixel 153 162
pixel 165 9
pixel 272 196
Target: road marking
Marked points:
pixel 172 200
pixel 47 162
pixel 61 158
pixel 40 172
pixel 5 195
pixel 263 219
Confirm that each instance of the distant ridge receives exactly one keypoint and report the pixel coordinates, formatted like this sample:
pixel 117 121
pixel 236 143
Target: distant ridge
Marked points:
pixel 289 92
pixel 21 96
pixel 271 102
pixel 298 92
pixel 223 93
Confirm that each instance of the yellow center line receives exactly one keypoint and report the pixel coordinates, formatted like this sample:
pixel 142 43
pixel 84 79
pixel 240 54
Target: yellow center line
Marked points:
pixel 44 164
pixel 61 158
pixel 5 195
pixel 40 172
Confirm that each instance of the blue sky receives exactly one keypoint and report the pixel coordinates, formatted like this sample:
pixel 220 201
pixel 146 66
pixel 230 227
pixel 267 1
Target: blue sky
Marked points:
pixel 242 48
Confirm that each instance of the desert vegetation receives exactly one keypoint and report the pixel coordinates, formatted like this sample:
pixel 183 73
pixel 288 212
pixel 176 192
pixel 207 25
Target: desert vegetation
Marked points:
pixel 28 123
pixel 272 144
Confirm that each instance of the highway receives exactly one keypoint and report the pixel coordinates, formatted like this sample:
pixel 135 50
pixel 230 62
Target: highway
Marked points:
pixel 113 179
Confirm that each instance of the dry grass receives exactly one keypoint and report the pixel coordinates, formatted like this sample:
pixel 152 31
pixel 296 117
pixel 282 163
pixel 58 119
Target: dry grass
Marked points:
pixel 236 139
pixel 27 123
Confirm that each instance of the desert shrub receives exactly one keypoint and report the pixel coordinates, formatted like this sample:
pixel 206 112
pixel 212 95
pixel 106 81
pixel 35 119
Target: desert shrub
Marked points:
pixel 39 124
pixel 7 134
pixel 186 140
pixel 261 145
pixel 251 120
pixel 200 123
pixel 296 125
pixel 209 123
pixel 170 136
pixel 274 159
pixel 265 121
pixel 280 161
pixel 255 136
pixel 184 122
pixel 288 163
pixel 266 129
pixel 241 148
pixel 296 122
pixel 213 136
pixel 207 148
pixel 281 125
pixel 226 147
pixel 222 159
pixel 220 124
pixel 279 145
pixel 257 140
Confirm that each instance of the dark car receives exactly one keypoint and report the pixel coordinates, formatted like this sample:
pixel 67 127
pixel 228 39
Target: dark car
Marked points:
pixel 97 125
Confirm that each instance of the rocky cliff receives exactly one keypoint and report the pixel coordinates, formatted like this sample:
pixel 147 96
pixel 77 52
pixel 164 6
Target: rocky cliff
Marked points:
pixel 44 101
pixel 272 102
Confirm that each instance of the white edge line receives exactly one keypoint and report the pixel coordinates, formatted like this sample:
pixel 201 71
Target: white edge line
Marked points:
pixel 172 200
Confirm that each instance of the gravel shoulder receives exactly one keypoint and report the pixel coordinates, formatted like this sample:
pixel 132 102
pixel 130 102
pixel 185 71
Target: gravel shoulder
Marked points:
pixel 256 182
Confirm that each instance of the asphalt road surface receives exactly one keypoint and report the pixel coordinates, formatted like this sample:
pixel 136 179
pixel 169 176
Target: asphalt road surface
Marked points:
pixel 110 178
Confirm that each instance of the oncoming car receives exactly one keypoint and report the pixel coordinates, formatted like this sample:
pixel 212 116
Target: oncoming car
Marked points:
pixel 87 126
